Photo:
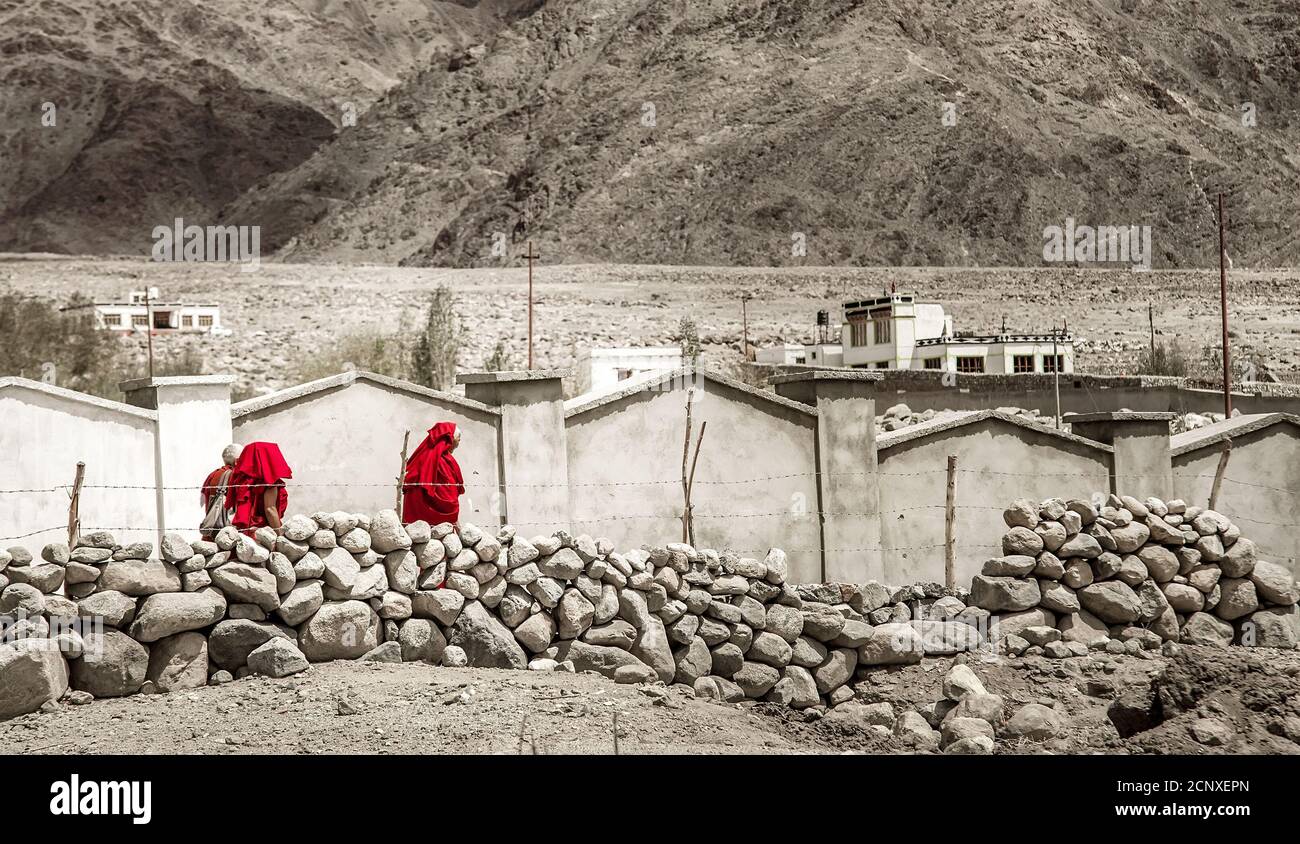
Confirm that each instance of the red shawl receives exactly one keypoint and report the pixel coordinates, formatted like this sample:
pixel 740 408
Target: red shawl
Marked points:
pixel 260 467
pixel 433 483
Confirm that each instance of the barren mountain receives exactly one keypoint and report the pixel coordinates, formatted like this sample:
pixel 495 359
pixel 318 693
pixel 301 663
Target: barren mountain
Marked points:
pixel 167 109
pixel 716 132
pixel 706 132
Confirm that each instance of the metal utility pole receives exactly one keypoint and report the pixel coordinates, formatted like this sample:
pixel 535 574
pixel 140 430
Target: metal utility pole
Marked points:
pixel 744 321
pixel 1056 376
pixel 1223 307
pixel 148 328
pixel 1151 320
pixel 531 257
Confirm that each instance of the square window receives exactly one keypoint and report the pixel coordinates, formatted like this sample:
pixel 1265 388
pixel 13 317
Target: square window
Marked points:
pixel 934 363
pixel 970 364
pixel 883 330
pixel 1022 363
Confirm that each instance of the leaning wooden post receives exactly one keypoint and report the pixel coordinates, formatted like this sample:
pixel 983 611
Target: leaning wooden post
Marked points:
pixel 690 486
pixel 949 526
pixel 74 506
pixel 1220 472
pixel 686 488
pixel 401 473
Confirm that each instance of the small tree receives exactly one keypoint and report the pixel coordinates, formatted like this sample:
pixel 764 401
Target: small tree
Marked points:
pixel 499 360
pixel 433 360
pixel 66 348
pixel 1165 359
pixel 690 341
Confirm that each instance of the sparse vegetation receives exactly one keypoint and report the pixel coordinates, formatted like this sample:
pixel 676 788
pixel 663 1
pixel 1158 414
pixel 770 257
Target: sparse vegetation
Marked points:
pixel 500 360
pixel 370 350
pixel 433 359
pixel 1206 367
pixel 690 341
pixel 62 348
pixel 1164 359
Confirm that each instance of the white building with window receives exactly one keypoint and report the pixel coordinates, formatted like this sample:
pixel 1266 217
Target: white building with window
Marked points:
pixel 897 332
pixel 786 354
pixel 604 370
pixel 801 354
pixel 135 314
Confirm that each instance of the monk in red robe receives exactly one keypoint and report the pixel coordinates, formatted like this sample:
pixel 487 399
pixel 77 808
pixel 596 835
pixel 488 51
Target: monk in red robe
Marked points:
pixel 256 492
pixel 433 484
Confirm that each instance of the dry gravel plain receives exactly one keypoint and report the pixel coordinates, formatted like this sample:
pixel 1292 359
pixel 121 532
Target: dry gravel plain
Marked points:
pixel 285 314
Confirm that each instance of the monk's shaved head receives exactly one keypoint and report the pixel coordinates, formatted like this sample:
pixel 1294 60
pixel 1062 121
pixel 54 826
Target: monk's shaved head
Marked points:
pixel 231 453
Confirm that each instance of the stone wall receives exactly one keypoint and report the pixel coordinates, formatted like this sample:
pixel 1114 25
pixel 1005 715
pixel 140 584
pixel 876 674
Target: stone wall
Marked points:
pixel 1077 572
pixel 103 619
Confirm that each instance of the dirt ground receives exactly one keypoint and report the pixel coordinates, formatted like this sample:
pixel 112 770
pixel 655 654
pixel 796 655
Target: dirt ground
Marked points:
pixel 344 707
pixel 293 314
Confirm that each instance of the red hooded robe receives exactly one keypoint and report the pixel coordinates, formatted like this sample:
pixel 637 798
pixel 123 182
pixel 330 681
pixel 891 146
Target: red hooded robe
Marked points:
pixel 433 483
pixel 260 467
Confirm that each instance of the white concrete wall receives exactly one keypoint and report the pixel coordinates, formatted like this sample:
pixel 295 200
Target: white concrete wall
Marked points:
pixel 44 432
pixel 344 445
pixel 625 464
pixel 998 462
pixel 194 426
pixel 1261 488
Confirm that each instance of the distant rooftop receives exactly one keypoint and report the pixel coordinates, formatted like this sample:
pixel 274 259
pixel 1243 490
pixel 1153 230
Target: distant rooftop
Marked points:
pixel 995 338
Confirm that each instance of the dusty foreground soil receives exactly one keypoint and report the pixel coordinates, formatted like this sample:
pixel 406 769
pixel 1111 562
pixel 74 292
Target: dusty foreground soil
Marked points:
pixel 1254 696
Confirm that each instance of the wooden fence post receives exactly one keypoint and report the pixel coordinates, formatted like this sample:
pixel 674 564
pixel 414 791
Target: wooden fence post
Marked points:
pixel 74 506
pixel 949 526
pixel 401 473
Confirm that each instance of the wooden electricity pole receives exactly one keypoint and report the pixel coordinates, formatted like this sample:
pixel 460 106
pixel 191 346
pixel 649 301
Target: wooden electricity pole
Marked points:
pixel 148 317
pixel 1151 321
pixel 1056 377
pixel 531 257
pixel 1223 308
pixel 744 322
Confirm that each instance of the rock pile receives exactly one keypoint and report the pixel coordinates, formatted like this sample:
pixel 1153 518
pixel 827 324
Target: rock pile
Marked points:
pixel 351 586
pixel 1121 574
pixel 103 620
pixel 901 416
pixel 1191 421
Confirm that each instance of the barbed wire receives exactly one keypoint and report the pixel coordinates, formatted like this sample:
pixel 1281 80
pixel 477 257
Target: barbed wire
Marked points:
pixel 1227 480
pixel 876 550
pixel 672 481
pixel 63 528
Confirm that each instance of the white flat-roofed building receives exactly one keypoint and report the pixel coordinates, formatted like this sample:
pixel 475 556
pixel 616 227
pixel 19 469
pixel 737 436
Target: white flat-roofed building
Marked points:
pixel 604 370
pixel 897 332
pixel 824 354
pixel 137 314
pixel 786 354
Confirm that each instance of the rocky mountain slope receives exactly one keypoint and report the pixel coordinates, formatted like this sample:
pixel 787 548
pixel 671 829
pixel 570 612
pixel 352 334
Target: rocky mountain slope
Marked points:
pixel 166 109
pixel 715 132
pixel 725 132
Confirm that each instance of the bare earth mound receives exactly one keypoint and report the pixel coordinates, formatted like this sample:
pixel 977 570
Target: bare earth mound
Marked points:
pixel 347 707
